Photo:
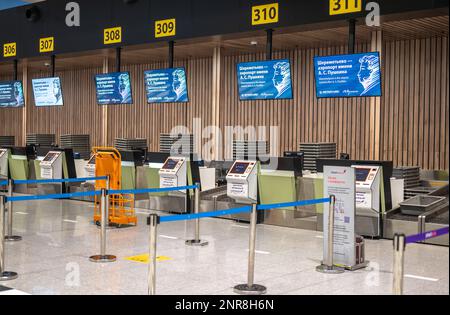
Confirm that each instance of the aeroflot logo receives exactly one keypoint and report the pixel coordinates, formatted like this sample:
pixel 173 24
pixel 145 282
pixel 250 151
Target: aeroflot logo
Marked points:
pixel 339 172
pixel 73 16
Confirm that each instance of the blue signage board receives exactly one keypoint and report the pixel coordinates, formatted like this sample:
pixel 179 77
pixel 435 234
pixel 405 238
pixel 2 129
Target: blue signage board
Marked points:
pixel 114 88
pixel 47 92
pixel 265 80
pixel 166 86
pixel 11 94
pixel 357 75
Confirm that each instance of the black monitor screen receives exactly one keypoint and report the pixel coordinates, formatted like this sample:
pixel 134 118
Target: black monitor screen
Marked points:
pixel 362 174
pixel 50 157
pixel 170 164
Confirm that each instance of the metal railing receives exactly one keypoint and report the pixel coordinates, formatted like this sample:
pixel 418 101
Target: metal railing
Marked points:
pixel 249 288
pixel 400 242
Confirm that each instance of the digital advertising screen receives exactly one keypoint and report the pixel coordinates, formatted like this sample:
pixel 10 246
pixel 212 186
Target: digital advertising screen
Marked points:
pixel 357 75
pixel 265 80
pixel 114 88
pixel 166 86
pixel 47 92
pixel 11 94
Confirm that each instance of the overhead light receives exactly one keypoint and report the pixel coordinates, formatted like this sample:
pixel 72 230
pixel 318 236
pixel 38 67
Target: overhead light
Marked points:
pixel 253 43
pixel 47 64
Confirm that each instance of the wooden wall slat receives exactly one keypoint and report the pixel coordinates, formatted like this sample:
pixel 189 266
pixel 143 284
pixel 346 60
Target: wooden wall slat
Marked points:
pixel 80 113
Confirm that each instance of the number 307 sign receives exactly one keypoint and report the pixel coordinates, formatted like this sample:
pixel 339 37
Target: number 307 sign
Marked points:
pixel 345 6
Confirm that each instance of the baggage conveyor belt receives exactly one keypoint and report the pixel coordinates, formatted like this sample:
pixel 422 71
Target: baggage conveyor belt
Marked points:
pixel 396 222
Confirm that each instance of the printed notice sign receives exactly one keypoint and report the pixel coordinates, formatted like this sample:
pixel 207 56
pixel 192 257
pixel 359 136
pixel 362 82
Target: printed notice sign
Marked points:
pixel 340 182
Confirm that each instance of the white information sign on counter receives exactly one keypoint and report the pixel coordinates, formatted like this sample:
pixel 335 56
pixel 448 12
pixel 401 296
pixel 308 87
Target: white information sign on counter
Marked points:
pixel 340 182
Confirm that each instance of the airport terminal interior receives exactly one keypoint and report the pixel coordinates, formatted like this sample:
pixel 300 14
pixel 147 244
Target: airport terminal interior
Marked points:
pixel 224 148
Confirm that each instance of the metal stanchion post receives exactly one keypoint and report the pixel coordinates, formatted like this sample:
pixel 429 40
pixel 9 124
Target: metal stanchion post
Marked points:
pixel 4 275
pixel 251 288
pixel 103 257
pixel 10 237
pixel 197 241
pixel 108 187
pixel 399 261
pixel 328 265
pixel 152 254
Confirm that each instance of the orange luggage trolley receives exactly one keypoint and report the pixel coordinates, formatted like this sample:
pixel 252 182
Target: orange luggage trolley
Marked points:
pixel 108 162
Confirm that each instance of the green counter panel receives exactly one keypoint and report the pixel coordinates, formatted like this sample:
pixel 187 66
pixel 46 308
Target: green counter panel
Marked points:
pixel 152 176
pixel 18 169
pixel 277 189
pixel 128 177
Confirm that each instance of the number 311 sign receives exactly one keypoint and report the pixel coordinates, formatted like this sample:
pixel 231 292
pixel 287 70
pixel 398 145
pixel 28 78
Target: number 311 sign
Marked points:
pixel 345 6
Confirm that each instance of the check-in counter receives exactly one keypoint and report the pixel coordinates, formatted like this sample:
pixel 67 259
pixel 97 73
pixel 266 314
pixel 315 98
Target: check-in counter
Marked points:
pixel 19 167
pixel 280 188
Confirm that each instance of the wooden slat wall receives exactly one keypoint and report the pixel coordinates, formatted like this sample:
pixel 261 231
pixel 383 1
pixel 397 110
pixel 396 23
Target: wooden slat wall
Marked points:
pixel 149 120
pixel 80 113
pixel 305 118
pixel 415 122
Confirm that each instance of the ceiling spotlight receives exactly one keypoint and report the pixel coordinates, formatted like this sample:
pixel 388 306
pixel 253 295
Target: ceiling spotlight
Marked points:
pixel 33 14
pixel 253 43
pixel 47 64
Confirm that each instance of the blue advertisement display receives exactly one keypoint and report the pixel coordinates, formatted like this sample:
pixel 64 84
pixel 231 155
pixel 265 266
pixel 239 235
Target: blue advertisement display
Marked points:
pixel 166 86
pixel 11 94
pixel 47 92
pixel 265 80
pixel 114 88
pixel 357 75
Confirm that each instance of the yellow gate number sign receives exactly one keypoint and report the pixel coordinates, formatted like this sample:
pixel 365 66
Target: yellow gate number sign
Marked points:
pixel 112 35
pixel 9 50
pixel 46 44
pixel 265 14
pixel 345 6
pixel 165 28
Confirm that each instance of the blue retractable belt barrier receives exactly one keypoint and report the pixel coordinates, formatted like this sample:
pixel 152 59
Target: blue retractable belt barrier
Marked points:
pixel 293 204
pixel 3 183
pixel 149 191
pixel 426 236
pixel 55 181
pixel 186 217
pixel 55 196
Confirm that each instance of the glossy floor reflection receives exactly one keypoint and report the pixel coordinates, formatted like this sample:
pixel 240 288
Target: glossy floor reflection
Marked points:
pixel 59 237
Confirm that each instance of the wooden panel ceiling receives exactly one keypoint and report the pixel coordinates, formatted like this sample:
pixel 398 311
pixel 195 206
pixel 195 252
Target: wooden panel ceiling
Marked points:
pixel 283 40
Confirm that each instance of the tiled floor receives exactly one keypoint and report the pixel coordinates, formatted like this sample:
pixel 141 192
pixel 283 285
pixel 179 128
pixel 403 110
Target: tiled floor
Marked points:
pixel 59 237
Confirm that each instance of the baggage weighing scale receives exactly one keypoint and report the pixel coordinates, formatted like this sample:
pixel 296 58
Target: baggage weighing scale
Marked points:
pixel 242 182
pixel 368 200
pixel 51 165
pixel 3 163
pixel 173 173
